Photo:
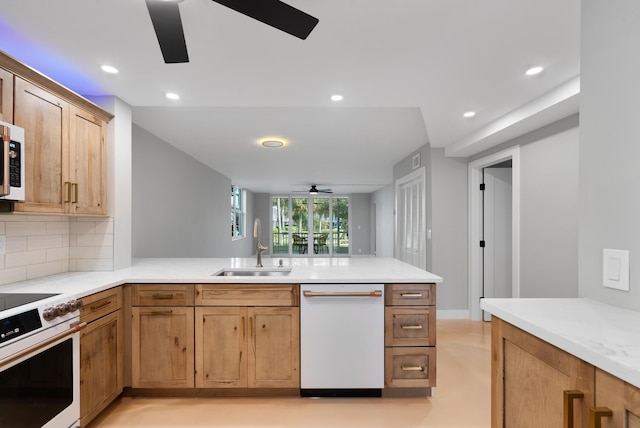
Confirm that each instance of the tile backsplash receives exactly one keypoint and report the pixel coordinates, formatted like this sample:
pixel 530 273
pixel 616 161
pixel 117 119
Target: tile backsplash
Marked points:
pixel 38 246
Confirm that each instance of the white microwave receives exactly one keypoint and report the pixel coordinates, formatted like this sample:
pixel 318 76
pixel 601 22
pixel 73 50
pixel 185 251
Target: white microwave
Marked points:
pixel 12 157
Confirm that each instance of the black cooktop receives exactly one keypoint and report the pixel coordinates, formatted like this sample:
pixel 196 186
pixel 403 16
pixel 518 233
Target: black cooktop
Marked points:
pixel 13 300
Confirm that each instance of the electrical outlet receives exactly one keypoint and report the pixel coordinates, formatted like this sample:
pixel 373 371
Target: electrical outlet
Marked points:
pixel 615 269
pixel 3 244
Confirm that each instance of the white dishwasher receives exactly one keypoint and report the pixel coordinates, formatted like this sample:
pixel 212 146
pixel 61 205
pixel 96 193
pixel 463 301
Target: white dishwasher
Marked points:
pixel 341 340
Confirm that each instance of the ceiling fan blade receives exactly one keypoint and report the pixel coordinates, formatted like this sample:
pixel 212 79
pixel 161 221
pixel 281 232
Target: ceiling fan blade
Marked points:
pixel 276 14
pixel 165 16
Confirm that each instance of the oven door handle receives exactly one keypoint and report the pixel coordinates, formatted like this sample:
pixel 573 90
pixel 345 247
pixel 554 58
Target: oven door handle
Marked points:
pixel 74 328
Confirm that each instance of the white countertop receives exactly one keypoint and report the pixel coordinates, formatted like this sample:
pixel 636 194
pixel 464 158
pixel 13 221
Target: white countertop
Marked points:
pixel 605 336
pixel 188 270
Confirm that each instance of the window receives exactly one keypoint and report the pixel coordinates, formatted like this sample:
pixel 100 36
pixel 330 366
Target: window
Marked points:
pixel 310 226
pixel 237 212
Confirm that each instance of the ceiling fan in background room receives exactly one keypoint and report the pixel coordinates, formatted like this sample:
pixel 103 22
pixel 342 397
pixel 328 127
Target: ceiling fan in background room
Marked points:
pixel 165 16
pixel 314 190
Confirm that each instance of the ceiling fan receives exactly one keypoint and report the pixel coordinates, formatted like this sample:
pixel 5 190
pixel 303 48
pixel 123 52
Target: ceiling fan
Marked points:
pixel 314 190
pixel 165 16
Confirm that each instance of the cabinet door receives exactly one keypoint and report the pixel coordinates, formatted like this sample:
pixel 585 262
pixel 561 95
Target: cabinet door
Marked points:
pixel 101 365
pixel 45 119
pixel 6 96
pixel 162 347
pixel 274 338
pixel 88 163
pixel 221 354
pixel 529 377
pixel 621 398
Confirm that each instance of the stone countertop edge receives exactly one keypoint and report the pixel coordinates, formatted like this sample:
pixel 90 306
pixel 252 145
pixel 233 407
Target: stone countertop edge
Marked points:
pixel 200 270
pixel 603 335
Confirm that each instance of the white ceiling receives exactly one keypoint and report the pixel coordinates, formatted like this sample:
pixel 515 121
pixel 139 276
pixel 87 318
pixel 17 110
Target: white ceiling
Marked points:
pixel 408 69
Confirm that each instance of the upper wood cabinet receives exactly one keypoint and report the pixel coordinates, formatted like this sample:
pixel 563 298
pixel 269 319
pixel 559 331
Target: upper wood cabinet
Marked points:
pixel 45 119
pixel 87 163
pixel 6 96
pixel 66 163
pixel 65 143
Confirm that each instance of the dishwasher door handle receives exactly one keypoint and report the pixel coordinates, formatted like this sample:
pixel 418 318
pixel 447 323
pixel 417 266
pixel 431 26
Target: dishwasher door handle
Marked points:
pixel 375 293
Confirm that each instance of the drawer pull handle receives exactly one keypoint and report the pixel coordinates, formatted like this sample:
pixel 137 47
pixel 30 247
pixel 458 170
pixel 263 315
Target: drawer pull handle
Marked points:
pixel 159 296
pixel 412 368
pixel 569 396
pixel 169 312
pixel 411 295
pixel 375 293
pixel 411 327
pixel 596 414
pixel 101 305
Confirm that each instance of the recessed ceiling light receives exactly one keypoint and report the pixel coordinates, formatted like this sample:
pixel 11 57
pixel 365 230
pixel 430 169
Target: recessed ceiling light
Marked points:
pixel 534 70
pixel 109 69
pixel 272 142
pixel 469 114
pixel 336 97
pixel 172 96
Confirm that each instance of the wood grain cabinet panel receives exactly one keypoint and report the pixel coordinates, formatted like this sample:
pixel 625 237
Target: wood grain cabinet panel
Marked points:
pixel 88 164
pixel 410 367
pixel 45 119
pixel 101 352
pixel 529 380
pixel 621 398
pixel 162 295
pixel 410 326
pixel 162 347
pixel 246 295
pixel 6 96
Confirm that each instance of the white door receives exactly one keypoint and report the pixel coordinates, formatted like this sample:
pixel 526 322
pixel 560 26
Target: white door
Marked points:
pixel 411 243
pixel 497 221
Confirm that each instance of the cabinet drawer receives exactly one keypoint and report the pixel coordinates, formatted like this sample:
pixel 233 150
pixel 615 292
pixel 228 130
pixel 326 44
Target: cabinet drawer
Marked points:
pixel 162 295
pixel 410 294
pixel 409 367
pixel 414 326
pixel 247 295
pixel 100 304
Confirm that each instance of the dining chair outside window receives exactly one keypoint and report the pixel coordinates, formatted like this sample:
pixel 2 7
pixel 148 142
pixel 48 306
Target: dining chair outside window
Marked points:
pixel 320 243
pixel 299 244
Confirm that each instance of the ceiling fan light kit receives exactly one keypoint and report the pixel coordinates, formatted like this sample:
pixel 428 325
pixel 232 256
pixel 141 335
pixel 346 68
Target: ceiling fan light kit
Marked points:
pixel 167 23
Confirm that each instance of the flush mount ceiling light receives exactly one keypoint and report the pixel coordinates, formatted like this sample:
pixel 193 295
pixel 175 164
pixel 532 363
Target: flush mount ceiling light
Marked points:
pixel 272 143
pixel 109 69
pixel 534 70
pixel 469 114
pixel 336 97
pixel 172 96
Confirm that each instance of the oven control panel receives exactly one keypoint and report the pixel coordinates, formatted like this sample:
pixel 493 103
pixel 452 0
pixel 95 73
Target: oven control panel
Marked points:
pixel 18 325
pixel 52 312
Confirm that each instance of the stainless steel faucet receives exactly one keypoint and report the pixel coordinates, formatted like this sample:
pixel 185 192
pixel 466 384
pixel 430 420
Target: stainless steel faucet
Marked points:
pixel 259 247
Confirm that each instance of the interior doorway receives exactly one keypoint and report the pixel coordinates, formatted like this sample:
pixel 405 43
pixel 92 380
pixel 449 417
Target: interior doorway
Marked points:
pixel 494 228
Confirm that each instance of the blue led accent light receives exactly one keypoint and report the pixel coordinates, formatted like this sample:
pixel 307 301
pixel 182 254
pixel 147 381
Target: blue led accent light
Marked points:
pixel 46 61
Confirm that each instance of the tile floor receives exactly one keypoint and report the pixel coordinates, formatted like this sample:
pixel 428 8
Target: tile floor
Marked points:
pixel 461 400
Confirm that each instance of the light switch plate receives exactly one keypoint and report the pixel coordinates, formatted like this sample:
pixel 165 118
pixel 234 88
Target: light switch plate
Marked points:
pixel 3 245
pixel 615 269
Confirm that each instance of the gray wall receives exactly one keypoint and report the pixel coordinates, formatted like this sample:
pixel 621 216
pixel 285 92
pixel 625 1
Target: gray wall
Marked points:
pixel 449 228
pixel 180 206
pixel 360 232
pixel 384 203
pixel 548 208
pixel 609 148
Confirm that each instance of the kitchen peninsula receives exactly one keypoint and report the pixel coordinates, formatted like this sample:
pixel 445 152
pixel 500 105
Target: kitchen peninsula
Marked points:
pixel 564 362
pixel 176 327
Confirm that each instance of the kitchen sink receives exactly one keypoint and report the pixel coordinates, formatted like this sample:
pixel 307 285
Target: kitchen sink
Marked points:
pixel 253 272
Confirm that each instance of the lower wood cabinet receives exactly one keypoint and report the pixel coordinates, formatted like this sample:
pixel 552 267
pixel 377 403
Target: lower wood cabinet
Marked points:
pixel 247 347
pixel 101 352
pixel 617 403
pixel 162 347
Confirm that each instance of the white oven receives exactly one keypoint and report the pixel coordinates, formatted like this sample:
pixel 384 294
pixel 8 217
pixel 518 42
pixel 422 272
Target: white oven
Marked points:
pixel 40 364
pixel 12 168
